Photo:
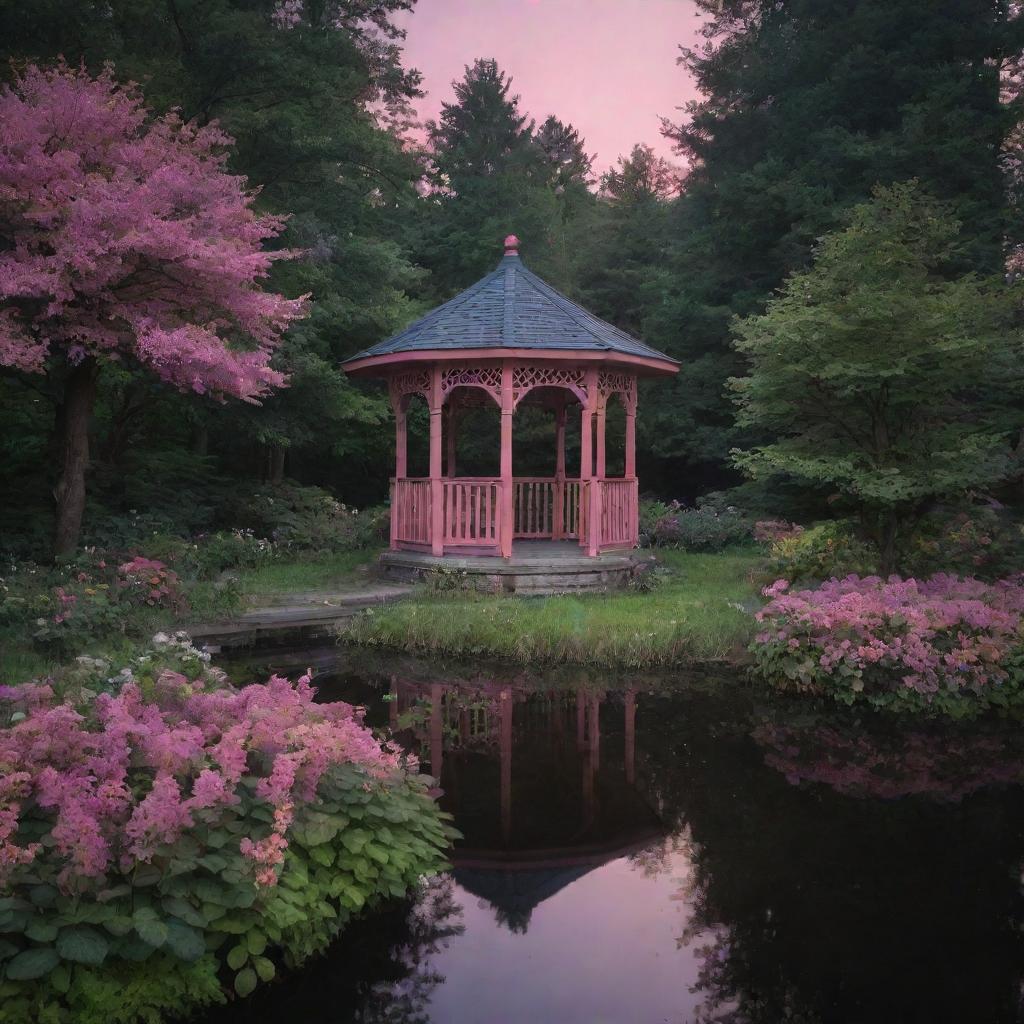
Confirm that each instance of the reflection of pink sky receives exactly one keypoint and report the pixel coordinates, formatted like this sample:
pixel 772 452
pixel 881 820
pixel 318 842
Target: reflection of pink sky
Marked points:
pixel 604 949
pixel 607 66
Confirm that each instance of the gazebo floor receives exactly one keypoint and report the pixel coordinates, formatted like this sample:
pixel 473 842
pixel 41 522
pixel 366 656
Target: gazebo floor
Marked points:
pixel 536 567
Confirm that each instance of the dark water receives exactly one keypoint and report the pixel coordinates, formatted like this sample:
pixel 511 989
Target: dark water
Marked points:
pixel 645 850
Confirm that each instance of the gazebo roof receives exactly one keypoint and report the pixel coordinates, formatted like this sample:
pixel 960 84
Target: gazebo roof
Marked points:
pixel 512 308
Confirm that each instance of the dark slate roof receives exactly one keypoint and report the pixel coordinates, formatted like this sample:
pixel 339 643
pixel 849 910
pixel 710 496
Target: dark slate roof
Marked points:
pixel 512 308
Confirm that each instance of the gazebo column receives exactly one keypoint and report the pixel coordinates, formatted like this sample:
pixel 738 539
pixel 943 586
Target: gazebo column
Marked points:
pixel 398 405
pixel 630 442
pixel 401 442
pixel 589 484
pixel 507 523
pixel 558 512
pixel 436 483
pixel 450 436
pixel 630 472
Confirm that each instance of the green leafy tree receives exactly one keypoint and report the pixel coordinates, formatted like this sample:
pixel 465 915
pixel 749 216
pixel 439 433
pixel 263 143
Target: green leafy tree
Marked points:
pixel 878 370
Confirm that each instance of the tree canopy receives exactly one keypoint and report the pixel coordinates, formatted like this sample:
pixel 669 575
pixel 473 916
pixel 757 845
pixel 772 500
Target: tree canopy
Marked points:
pixel 877 372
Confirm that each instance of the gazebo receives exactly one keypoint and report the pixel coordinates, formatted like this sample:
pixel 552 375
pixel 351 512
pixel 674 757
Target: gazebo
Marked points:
pixel 513 340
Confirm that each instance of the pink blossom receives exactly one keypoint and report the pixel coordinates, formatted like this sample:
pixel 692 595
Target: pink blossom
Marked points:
pixel 122 779
pixel 943 633
pixel 128 237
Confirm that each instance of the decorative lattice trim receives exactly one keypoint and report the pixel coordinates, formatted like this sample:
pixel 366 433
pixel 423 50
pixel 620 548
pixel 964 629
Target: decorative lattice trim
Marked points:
pixel 615 382
pixel 415 382
pixel 527 377
pixel 486 377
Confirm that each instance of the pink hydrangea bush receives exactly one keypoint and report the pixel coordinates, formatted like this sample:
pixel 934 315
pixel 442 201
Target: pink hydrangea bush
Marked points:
pixel 944 644
pixel 196 821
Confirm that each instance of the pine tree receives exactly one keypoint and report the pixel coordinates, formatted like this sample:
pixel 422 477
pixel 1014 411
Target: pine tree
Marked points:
pixel 489 178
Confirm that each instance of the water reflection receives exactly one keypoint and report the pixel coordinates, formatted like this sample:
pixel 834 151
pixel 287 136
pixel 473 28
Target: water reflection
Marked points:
pixel 653 850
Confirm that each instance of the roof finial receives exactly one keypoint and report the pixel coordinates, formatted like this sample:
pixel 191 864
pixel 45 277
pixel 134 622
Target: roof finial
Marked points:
pixel 511 246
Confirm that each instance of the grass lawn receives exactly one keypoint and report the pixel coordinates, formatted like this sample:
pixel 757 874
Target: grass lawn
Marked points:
pixel 701 614
pixel 338 571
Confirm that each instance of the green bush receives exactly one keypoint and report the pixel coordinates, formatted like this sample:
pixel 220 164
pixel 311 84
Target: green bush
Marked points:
pixel 298 518
pixel 705 528
pixel 821 552
pixel 981 541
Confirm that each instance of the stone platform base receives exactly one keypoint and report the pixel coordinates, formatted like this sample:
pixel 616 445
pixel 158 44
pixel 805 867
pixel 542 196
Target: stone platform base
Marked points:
pixel 536 567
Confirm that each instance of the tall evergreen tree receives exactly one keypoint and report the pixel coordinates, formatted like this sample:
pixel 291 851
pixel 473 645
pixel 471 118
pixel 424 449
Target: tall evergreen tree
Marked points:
pixel 807 105
pixel 489 177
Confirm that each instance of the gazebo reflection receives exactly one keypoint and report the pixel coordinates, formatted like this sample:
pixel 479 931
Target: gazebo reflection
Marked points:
pixel 543 783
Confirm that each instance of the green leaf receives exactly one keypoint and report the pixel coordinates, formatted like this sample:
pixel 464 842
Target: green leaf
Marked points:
pixel 82 946
pixel 237 957
pixel 41 930
pixel 32 964
pixel 184 911
pixel 60 979
pixel 119 925
pixel 264 968
pixel 245 982
pixel 184 942
pixel 323 855
pixel 378 853
pixel 149 927
pixel 43 895
pixel 213 862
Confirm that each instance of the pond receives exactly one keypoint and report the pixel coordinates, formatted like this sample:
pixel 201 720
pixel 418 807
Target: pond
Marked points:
pixel 640 849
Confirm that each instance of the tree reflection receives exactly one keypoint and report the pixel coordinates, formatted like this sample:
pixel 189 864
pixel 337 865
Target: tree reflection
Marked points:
pixel 810 905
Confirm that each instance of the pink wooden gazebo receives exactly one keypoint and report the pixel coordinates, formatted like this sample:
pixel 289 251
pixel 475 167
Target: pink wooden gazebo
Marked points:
pixel 512 339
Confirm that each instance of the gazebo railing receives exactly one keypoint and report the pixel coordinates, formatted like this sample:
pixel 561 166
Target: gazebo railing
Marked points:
pixel 544 508
pixel 472 510
pixel 410 511
pixel 619 500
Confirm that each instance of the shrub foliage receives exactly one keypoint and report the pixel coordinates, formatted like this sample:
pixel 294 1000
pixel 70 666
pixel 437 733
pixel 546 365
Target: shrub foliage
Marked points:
pixel 944 645
pixel 209 832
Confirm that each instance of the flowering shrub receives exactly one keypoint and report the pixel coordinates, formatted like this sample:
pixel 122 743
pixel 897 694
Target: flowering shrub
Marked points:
pixel 705 528
pixel 944 644
pixel 147 581
pixel 204 828
pixel 91 597
pixel 824 551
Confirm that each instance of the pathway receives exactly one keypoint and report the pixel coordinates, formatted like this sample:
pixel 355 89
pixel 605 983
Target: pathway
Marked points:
pixel 303 615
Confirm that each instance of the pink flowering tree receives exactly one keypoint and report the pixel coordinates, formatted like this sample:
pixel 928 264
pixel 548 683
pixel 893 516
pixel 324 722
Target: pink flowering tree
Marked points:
pixel 125 238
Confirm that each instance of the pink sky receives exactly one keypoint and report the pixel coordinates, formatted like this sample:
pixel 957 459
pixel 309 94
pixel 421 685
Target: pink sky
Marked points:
pixel 607 66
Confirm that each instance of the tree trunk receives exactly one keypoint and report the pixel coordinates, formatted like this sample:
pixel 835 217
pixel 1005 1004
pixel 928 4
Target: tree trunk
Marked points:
pixel 277 464
pixel 887 546
pixel 73 419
